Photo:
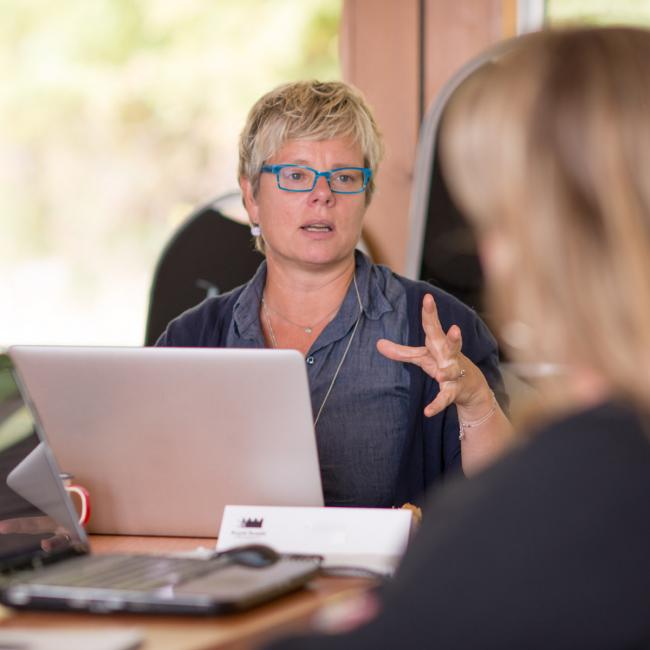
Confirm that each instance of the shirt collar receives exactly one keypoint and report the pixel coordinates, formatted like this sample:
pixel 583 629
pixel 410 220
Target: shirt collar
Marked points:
pixel 247 308
pixel 373 303
pixel 373 300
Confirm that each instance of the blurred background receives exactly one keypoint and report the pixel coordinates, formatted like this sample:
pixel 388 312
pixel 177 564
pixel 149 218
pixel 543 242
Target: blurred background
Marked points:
pixel 119 117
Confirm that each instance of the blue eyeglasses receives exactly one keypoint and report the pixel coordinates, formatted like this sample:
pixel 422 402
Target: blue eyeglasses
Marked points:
pixel 298 178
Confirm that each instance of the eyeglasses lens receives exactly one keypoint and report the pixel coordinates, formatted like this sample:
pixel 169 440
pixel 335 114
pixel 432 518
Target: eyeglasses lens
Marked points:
pixel 301 179
pixel 296 178
pixel 346 180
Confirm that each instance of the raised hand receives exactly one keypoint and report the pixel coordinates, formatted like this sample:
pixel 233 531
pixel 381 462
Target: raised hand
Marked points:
pixel 461 382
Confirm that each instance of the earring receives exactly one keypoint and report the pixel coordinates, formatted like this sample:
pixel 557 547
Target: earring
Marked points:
pixel 256 231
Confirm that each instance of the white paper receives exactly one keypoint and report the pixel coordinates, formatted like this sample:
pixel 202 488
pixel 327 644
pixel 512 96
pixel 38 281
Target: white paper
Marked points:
pixel 370 538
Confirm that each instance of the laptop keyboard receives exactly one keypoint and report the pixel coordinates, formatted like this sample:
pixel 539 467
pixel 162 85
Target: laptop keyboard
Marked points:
pixel 123 572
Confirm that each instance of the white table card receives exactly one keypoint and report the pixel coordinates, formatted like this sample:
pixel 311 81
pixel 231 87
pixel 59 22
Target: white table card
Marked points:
pixel 370 538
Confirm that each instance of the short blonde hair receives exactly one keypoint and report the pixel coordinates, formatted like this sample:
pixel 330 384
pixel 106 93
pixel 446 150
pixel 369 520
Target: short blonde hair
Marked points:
pixel 308 110
pixel 550 148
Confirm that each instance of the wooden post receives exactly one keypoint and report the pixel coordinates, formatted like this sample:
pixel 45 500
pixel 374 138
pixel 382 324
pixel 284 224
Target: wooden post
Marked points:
pixel 399 53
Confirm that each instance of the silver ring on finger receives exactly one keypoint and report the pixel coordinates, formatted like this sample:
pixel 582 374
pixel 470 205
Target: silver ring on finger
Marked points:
pixel 463 372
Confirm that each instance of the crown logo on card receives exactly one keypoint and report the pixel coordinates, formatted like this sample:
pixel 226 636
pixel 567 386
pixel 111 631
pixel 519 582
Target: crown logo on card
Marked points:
pixel 251 523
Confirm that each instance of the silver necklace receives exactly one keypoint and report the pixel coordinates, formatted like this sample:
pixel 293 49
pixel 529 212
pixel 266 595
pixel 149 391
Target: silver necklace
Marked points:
pixel 274 343
pixel 308 329
pixel 267 318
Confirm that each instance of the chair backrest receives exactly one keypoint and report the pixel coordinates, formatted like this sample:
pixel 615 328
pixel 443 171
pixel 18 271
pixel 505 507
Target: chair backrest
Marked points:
pixel 208 255
pixel 441 246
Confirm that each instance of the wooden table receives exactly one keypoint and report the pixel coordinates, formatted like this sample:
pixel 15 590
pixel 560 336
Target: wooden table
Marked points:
pixel 235 632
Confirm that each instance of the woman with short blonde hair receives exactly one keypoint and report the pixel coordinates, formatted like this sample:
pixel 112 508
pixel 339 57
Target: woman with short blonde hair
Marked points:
pixel 386 431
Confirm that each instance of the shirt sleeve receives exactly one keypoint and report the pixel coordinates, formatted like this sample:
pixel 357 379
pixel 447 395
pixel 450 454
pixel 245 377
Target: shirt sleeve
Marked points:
pixel 200 326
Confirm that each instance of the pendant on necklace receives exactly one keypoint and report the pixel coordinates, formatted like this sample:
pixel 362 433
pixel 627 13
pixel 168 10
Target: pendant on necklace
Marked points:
pixel 308 330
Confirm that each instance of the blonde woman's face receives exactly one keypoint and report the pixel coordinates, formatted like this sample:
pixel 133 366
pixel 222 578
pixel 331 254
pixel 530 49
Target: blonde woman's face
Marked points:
pixel 318 227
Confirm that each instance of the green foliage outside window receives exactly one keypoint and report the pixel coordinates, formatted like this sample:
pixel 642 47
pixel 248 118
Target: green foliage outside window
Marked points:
pixel 598 12
pixel 118 118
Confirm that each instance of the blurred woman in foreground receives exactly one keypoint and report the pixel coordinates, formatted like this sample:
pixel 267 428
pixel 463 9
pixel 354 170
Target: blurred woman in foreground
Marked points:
pixel 548 152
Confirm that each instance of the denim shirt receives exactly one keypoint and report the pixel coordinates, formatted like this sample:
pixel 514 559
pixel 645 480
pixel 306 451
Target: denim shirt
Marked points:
pixel 361 429
pixel 376 447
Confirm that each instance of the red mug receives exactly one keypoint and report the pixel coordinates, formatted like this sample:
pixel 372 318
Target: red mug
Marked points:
pixel 83 497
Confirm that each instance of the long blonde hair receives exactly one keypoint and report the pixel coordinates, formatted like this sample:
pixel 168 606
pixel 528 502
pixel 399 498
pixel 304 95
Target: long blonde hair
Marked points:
pixel 550 148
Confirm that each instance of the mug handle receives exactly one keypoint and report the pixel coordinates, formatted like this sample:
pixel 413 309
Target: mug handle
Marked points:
pixel 84 498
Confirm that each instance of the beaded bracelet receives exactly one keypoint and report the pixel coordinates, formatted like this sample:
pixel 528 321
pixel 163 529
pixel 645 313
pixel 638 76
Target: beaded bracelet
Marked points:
pixel 468 425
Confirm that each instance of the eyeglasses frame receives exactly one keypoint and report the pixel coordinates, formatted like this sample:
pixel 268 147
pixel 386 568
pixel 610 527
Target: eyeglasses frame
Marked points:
pixel 275 169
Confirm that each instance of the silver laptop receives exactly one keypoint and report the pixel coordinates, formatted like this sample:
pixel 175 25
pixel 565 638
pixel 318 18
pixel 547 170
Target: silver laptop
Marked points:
pixel 164 438
pixel 45 559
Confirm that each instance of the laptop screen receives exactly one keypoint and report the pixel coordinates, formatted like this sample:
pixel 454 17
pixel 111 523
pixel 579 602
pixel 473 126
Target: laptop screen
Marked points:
pixel 37 519
pixel 164 438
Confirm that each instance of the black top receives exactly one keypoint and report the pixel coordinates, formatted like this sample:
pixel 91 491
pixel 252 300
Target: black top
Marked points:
pixel 548 548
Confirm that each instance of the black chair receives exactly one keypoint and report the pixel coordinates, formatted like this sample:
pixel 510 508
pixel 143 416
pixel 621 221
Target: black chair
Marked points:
pixel 441 247
pixel 208 255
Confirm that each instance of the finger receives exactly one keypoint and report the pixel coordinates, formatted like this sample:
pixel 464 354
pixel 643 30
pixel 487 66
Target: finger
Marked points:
pixel 448 352
pixel 454 341
pixel 398 352
pixel 418 356
pixel 430 319
pixel 442 400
